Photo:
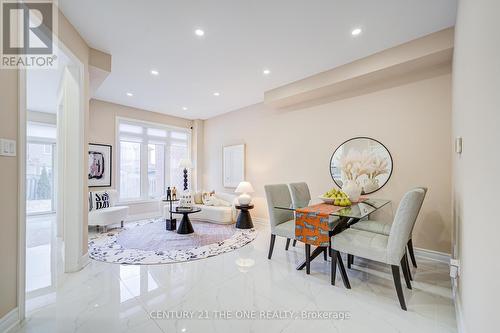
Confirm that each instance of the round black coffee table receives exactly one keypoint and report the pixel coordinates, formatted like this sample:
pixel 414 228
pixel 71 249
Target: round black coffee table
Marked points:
pixel 185 227
pixel 244 220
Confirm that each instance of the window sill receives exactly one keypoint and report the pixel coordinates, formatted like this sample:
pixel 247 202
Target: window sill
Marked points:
pixel 137 202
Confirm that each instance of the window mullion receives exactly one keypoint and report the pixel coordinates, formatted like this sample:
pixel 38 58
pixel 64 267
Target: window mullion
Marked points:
pixel 144 167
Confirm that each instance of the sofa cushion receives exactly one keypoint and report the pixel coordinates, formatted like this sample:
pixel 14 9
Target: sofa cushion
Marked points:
pixel 106 216
pixel 214 214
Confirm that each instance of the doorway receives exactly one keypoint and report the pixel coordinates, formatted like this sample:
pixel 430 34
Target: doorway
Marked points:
pixel 52 136
pixel 41 242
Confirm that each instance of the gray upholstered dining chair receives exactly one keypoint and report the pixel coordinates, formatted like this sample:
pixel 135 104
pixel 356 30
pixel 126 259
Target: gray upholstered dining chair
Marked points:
pixel 384 228
pixel 282 221
pixel 301 196
pixel 389 249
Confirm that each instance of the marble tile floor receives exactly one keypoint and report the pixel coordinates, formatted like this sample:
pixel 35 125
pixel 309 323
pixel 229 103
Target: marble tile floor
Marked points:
pixel 118 298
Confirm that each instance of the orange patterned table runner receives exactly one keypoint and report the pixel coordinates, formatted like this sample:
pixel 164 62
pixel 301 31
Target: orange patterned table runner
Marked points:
pixel 312 223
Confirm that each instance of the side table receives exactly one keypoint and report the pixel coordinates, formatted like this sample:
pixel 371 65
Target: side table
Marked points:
pixel 185 227
pixel 244 220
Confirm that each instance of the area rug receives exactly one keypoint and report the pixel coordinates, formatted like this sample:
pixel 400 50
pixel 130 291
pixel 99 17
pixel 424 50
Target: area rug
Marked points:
pixel 147 242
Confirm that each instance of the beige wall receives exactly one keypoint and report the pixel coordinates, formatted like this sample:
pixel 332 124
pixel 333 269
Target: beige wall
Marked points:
pixel 9 193
pixel 102 129
pixel 412 120
pixel 476 118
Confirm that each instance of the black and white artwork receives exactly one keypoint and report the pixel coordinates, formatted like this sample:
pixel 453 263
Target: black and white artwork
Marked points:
pixel 99 168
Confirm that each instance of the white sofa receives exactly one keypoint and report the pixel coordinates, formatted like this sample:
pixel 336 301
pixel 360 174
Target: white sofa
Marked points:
pixel 213 214
pixel 107 216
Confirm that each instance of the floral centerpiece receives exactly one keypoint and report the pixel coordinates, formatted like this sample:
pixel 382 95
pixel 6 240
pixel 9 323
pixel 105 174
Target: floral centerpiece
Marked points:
pixel 375 166
pixel 354 165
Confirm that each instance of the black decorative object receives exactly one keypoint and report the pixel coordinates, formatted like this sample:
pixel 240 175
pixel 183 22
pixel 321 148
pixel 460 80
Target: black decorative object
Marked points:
pixel 170 224
pixel 185 179
pixel 169 193
pixel 244 220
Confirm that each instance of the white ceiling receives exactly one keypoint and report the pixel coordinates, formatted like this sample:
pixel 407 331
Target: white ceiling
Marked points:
pixel 293 38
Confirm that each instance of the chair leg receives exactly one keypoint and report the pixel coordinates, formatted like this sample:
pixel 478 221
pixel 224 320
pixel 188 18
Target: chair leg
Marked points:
pixel 397 284
pixel 408 265
pixel 412 255
pixel 325 254
pixel 350 260
pixel 271 246
pixel 308 258
pixel 287 244
pixel 342 271
pixel 405 267
pixel 333 254
pixel 294 242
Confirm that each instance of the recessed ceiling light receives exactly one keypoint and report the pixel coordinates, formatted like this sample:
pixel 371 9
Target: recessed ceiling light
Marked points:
pixel 356 32
pixel 266 71
pixel 199 32
pixel 129 94
pixel 155 72
pixel 184 108
pixel 216 93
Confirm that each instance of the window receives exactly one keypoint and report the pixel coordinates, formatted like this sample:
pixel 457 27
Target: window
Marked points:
pixel 149 157
pixel 40 161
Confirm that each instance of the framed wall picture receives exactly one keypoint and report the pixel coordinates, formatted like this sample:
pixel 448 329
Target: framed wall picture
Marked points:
pixel 233 165
pixel 99 167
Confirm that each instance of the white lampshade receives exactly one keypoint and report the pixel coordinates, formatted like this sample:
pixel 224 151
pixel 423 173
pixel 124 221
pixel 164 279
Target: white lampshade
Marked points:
pixel 185 164
pixel 244 187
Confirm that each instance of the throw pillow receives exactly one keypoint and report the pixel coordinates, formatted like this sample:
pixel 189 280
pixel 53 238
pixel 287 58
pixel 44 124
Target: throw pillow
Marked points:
pixel 198 198
pixel 205 197
pixel 99 200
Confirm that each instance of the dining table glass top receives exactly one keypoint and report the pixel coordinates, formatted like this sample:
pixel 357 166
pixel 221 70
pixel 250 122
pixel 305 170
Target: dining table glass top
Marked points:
pixel 356 211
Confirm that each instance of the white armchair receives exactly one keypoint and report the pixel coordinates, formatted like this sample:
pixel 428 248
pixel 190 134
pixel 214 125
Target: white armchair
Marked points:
pixel 107 216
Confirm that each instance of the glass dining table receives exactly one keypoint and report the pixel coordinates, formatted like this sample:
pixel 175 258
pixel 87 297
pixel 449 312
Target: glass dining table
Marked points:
pixel 341 219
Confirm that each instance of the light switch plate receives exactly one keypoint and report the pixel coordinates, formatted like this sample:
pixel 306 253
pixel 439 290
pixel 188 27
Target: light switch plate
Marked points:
pixel 7 147
pixel 458 145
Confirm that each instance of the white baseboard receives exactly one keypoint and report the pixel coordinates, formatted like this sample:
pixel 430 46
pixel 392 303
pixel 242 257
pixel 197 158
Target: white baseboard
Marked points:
pixel 9 321
pixel 433 255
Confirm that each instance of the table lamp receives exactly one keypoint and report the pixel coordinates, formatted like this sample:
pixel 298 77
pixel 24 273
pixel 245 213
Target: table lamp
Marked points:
pixel 185 164
pixel 244 188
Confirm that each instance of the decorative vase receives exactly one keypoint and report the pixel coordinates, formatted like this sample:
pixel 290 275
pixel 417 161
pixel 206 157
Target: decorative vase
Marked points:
pixel 371 185
pixel 352 189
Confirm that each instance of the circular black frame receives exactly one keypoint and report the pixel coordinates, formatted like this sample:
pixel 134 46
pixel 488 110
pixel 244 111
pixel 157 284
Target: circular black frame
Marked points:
pixel 361 137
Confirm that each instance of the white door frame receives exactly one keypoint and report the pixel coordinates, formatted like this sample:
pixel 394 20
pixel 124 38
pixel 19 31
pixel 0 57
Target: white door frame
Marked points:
pixel 73 258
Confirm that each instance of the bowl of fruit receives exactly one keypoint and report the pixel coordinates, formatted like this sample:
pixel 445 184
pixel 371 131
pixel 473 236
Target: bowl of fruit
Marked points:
pixel 336 197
